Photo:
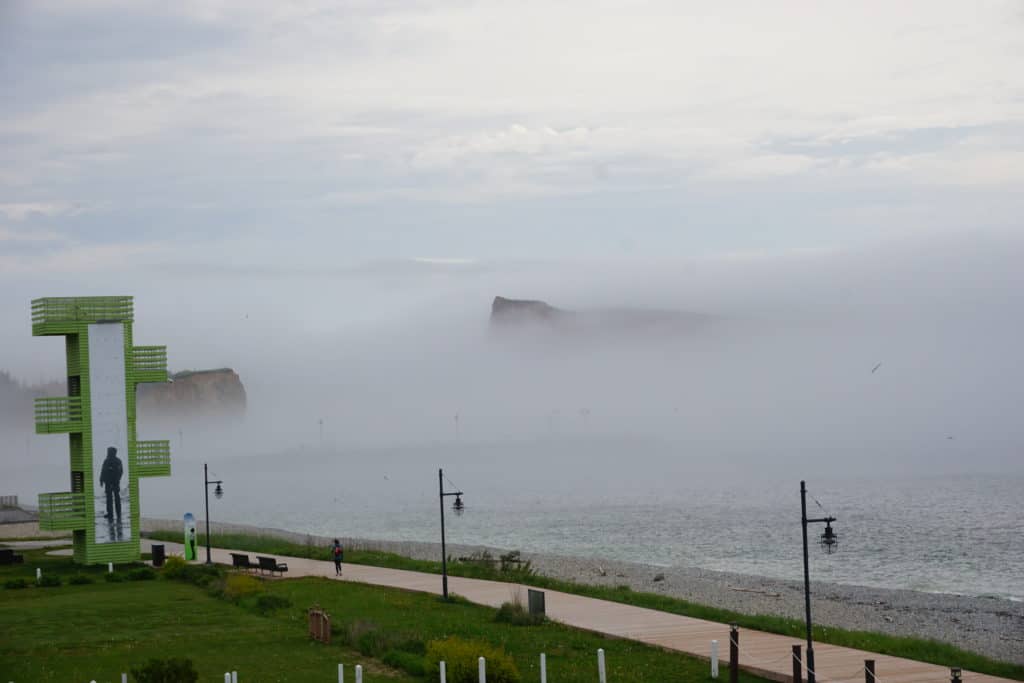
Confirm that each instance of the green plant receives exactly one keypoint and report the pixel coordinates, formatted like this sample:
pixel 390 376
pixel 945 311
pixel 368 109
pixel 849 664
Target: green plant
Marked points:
pixel 174 567
pixel 174 670
pixel 80 579
pixel 112 577
pixel 15 584
pixel 141 574
pixel 238 586
pixel 48 581
pixel 406 661
pixel 265 604
pixel 514 613
pixel 460 657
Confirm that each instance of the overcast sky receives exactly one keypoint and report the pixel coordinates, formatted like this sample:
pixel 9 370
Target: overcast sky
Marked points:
pixel 318 134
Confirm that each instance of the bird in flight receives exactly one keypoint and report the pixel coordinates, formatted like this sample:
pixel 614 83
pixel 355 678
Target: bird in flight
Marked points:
pixel 875 368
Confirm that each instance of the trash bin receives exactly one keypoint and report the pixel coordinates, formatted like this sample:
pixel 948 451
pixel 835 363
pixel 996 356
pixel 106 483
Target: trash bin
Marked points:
pixel 158 554
pixel 535 600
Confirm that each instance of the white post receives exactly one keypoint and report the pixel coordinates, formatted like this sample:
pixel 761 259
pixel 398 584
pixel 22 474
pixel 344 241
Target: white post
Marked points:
pixel 124 678
pixel 227 677
pixel 443 677
pixel 359 673
pixel 482 665
pixel 543 668
pixel 234 677
pixel 341 673
pixel 110 567
pixel 39 573
pixel 600 666
pixel 714 659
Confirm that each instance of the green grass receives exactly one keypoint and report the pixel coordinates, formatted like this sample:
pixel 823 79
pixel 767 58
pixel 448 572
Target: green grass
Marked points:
pixel 98 630
pixel 920 649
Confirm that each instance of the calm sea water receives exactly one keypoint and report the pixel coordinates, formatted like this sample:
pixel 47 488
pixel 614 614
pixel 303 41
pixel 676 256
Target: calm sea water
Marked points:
pixel 959 533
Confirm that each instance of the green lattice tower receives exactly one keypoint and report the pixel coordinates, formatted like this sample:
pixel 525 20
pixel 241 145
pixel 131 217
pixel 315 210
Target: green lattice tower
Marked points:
pixel 93 378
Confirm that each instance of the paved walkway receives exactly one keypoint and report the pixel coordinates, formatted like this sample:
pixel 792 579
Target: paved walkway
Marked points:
pixel 765 654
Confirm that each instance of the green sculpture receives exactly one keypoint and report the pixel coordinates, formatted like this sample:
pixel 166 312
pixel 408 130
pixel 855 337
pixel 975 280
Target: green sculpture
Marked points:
pixel 98 415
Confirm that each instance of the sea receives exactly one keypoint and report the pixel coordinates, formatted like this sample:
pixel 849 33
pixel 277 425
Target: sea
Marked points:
pixel 900 528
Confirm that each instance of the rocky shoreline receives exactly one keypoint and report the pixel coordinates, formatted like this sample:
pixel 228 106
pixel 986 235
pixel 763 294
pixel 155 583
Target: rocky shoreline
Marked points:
pixel 989 626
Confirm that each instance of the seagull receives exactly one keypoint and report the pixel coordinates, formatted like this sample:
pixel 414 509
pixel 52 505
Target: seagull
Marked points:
pixel 875 368
pixel 950 438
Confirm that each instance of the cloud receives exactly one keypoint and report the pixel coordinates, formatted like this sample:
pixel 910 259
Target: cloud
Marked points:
pixel 20 211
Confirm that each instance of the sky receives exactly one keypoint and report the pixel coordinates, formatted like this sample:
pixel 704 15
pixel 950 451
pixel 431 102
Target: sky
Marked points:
pixel 327 195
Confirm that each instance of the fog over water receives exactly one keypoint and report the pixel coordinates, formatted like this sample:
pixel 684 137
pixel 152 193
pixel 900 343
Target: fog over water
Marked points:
pixel 657 444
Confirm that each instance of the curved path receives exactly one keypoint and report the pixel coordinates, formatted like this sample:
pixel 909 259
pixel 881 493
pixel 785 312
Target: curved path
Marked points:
pixel 765 654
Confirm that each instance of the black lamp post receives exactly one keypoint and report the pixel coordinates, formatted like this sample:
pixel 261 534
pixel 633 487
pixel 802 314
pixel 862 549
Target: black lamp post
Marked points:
pixel 829 541
pixel 219 492
pixel 458 506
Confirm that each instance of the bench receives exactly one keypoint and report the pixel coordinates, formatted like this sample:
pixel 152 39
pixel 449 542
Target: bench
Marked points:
pixel 240 561
pixel 271 565
pixel 7 556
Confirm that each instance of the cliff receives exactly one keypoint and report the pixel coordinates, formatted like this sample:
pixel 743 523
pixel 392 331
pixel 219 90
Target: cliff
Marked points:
pixel 195 392
pixel 522 312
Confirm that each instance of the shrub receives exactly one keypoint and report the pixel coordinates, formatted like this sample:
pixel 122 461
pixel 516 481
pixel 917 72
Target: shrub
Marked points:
pixel 174 670
pixel 406 661
pixel 48 581
pixel 460 658
pixel 14 584
pixel 517 615
pixel 141 574
pixel 238 586
pixel 197 574
pixel 267 603
pixel 174 567
pixel 80 579
pixel 114 578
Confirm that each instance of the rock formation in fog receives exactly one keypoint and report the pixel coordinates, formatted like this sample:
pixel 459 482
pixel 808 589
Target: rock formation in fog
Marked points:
pixel 195 392
pixel 521 312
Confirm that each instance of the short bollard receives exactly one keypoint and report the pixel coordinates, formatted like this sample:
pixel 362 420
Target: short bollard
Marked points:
pixel 543 668
pixel 124 678
pixel 869 671
pixel 341 673
pixel 110 567
pixel 443 673
pixel 359 673
pixel 798 668
pixel 482 666
pixel 734 653
pixel 227 677
pixel 39 573
pixel 234 677
pixel 600 666
pixel 714 659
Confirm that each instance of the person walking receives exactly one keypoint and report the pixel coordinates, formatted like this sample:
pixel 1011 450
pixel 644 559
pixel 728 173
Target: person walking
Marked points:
pixel 339 554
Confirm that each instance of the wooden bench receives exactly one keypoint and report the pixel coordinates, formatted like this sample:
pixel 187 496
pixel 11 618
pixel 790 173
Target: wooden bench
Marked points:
pixel 240 561
pixel 271 565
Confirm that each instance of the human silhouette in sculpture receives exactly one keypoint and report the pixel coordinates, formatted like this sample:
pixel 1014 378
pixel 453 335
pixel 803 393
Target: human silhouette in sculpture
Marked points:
pixel 110 479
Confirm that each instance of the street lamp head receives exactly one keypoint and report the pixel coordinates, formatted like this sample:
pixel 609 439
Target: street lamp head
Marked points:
pixel 458 505
pixel 218 492
pixel 829 539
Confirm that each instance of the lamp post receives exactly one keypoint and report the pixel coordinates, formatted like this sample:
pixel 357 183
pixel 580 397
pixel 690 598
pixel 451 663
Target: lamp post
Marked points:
pixel 829 540
pixel 458 507
pixel 219 492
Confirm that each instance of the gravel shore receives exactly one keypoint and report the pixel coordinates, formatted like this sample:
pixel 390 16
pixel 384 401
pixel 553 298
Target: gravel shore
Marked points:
pixel 990 626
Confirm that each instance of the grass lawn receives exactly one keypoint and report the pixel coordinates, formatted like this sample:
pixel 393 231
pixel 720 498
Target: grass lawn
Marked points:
pixel 98 630
pixel 919 649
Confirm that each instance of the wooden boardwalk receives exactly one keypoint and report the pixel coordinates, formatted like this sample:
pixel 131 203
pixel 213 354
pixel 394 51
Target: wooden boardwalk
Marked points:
pixel 765 654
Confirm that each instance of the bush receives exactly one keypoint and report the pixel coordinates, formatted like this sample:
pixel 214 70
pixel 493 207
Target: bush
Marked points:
pixel 141 574
pixel 14 584
pixel 514 613
pixel 174 567
pixel 80 579
pixel 406 661
pixel 114 577
pixel 174 670
pixel 238 586
pixel 201 575
pixel 460 658
pixel 48 581
pixel 267 603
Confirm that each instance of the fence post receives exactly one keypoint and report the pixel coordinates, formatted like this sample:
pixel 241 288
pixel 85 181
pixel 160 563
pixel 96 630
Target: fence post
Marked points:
pixel 227 677
pixel 39 574
pixel 443 673
pixel 869 671
pixel 234 677
pixel 341 673
pixel 798 664
pixel 482 667
pixel 359 673
pixel 110 567
pixel 600 666
pixel 124 678
pixel 543 668
pixel 714 659
pixel 734 653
